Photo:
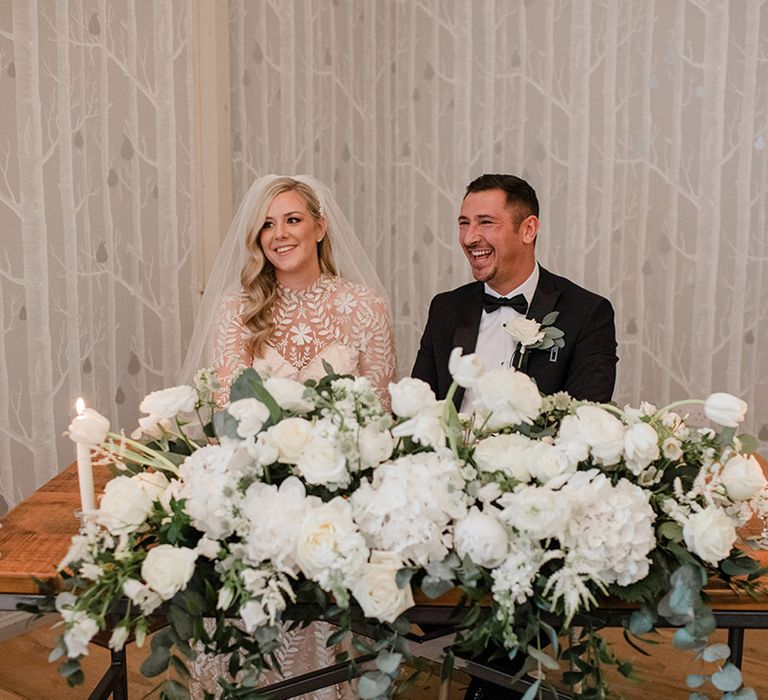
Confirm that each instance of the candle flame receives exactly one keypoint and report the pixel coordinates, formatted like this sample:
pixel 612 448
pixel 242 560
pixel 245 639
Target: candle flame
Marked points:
pixel 80 406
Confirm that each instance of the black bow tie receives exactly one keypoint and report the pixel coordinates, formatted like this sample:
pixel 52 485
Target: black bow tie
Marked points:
pixel 517 302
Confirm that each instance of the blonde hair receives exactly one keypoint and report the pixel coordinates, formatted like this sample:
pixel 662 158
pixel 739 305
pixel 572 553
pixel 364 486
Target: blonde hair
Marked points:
pixel 259 284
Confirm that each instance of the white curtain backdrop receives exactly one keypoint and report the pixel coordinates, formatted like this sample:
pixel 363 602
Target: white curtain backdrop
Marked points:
pixel 642 124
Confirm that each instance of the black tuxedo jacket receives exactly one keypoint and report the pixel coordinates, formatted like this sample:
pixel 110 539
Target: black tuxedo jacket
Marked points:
pixel 585 367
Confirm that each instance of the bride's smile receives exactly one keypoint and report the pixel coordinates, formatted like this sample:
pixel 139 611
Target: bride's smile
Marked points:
pixel 289 239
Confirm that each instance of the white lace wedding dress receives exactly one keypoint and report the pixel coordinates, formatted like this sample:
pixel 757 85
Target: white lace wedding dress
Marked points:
pixel 348 326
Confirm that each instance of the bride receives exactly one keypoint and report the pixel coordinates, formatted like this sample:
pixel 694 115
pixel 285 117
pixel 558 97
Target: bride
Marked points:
pixel 276 302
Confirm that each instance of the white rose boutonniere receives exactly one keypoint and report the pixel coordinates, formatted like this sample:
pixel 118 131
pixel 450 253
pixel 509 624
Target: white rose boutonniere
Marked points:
pixel 533 335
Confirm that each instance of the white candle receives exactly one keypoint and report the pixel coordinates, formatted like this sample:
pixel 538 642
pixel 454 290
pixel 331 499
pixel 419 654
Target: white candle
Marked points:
pixel 84 467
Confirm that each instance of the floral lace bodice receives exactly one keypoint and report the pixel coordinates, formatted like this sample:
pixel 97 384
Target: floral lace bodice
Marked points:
pixel 333 320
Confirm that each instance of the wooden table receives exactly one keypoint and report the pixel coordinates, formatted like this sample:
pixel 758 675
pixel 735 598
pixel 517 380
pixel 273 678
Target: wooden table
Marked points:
pixel 36 535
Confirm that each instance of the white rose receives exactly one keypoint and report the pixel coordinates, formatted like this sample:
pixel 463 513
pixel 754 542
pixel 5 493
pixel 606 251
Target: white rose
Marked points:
pixel 89 428
pixel 603 433
pixel 526 331
pixel 290 436
pixel 167 569
pixel 411 396
pixel 743 478
pixel 482 538
pixel 725 409
pixel 154 484
pixel 329 547
pixel 672 449
pixel 466 369
pixel 124 506
pixel 510 397
pixel 166 403
pixel 289 394
pixel 641 447
pixel 546 462
pixel 504 453
pixel 253 616
pixel 375 446
pixel 321 463
pixel 376 588
pixel 710 534
pixel 251 415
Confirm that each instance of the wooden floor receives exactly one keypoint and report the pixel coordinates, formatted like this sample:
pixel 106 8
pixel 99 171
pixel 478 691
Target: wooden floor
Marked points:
pixel 25 672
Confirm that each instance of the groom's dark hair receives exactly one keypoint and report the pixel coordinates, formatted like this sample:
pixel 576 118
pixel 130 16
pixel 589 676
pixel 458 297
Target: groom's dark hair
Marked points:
pixel 517 190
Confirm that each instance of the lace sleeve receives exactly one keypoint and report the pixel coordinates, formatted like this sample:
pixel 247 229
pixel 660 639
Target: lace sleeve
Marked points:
pixel 229 351
pixel 375 335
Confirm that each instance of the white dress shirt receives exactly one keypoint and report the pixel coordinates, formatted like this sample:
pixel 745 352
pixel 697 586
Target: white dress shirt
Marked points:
pixel 494 345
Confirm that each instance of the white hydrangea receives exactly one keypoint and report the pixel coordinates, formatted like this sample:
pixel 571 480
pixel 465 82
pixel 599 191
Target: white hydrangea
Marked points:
pixel 411 505
pixel 504 453
pixel 209 479
pixel 273 516
pixel 610 528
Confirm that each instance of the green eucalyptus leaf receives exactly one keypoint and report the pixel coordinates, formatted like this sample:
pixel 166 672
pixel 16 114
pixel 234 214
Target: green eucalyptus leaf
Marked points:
pixel 447 666
pixel 373 684
pixel 182 622
pixel 404 576
pixel 573 677
pixel 748 442
pixel 388 662
pixel 550 318
pixel 683 639
pixel 543 658
pixel 57 653
pixel 69 667
pixel 530 694
pixel 741 694
pixel 695 680
pixel 435 587
pixel 727 678
pixel 173 690
pixel 225 425
pixel 671 530
pixel 157 662
pixel 716 652
pixel 642 621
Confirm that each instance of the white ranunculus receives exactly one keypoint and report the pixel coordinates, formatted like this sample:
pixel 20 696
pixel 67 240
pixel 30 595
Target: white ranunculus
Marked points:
pixel 526 331
pixel 124 506
pixel 375 445
pixel 320 463
pixel 465 369
pixel 411 396
pixel 90 428
pixel 81 628
pixel 510 397
pixel 289 394
pixel 329 549
pixel 263 449
pixel 641 447
pixel 376 588
pixel 547 462
pixel 153 484
pixel 166 403
pixel 425 427
pixel 725 409
pixel 710 534
pixel 570 440
pixel 167 569
pixel 290 436
pixel 603 432
pixel 480 536
pixel 489 492
pixel 742 477
pixel 119 637
pixel 504 453
pixel 207 548
pixel 251 415
pixel 253 616
pixel 672 449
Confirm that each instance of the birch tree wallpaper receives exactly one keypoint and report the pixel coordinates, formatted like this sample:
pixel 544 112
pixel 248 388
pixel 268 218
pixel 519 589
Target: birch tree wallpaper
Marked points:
pixel 642 124
pixel 96 207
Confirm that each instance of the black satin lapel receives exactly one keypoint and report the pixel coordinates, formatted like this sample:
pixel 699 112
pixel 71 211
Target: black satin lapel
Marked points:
pixel 467 328
pixel 465 335
pixel 544 300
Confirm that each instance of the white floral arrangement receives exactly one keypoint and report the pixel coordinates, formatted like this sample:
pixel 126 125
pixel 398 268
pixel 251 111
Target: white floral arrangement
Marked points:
pixel 301 502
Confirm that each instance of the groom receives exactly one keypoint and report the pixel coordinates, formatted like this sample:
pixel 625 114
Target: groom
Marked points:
pixel 498 224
